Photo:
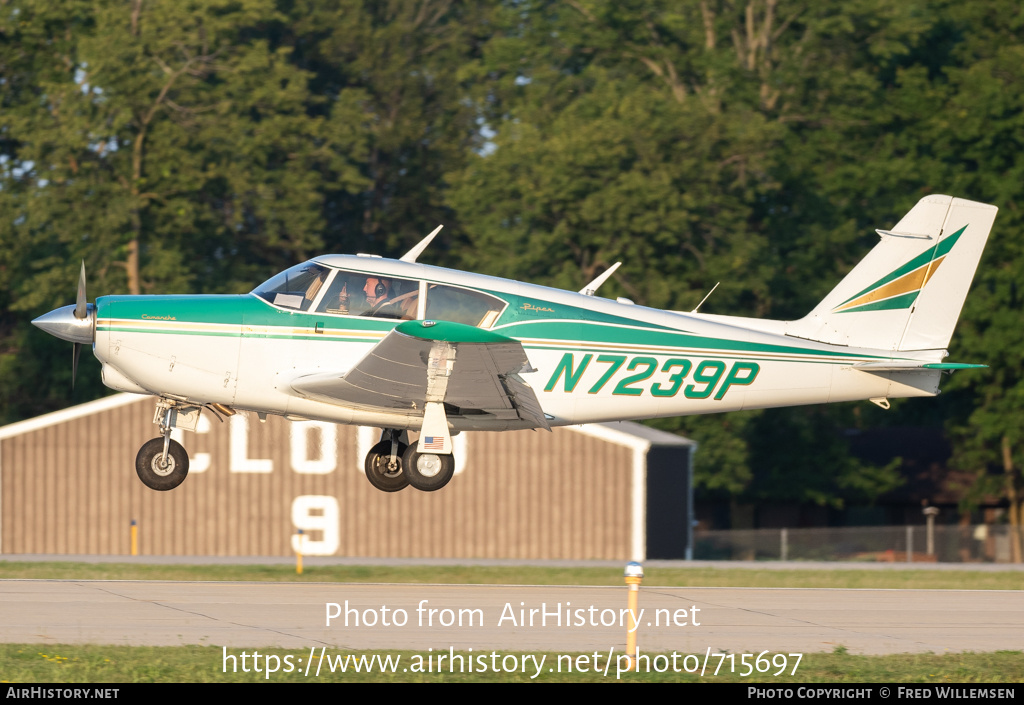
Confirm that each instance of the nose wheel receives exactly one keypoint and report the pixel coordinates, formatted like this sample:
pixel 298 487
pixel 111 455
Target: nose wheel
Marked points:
pixel 162 463
pixel 161 469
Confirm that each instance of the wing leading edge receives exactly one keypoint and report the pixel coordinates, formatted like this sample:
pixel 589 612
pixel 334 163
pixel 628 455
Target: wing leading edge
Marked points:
pixel 466 369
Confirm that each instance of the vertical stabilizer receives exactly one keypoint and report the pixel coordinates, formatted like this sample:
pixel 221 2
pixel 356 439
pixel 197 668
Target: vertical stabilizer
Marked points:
pixel 907 293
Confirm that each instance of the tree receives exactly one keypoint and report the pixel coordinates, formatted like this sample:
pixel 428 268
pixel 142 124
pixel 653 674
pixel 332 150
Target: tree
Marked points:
pixel 978 132
pixel 697 143
pixel 392 71
pixel 168 145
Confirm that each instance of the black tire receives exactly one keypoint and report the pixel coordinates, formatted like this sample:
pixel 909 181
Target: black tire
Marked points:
pixel 381 476
pixel 428 472
pixel 148 465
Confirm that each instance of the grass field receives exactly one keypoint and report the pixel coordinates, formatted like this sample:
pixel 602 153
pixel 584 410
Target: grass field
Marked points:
pixel 525 575
pixel 201 664
pixel 24 663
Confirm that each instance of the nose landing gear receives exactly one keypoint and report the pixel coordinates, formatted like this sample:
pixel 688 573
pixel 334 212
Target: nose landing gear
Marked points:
pixel 162 463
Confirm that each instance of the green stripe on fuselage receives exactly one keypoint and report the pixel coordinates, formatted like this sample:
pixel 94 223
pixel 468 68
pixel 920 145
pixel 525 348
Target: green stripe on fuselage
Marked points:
pixel 569 332
pixel 177 312
pixel 226 310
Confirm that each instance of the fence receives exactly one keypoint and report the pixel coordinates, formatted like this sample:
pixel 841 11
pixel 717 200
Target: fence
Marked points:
pixel 947 544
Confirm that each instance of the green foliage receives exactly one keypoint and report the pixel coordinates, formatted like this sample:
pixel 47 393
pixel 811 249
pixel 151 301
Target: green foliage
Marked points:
pixel 977 131
pixel 698 144
pixel 393 68
pixel 830 476
pixel 722 465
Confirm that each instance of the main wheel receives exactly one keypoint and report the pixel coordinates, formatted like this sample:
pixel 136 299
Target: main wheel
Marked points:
pixel 385 475
pixel 156 474
pixel 427 471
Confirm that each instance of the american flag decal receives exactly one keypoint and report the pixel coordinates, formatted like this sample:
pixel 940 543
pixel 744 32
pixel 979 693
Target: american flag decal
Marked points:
pixel 433 442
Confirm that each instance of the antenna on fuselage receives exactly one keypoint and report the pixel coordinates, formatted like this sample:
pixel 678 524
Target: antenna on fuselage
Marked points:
pixel 415 252
pixel 591 288
pixel 705 297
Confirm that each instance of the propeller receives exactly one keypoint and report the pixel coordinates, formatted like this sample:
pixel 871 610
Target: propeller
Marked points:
pixel 75 324
pixel 81 313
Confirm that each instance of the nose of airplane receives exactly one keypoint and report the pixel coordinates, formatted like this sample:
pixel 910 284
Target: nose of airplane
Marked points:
pixel 64 324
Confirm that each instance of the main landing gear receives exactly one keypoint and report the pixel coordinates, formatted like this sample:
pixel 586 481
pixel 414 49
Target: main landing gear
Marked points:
pixel 393 464
pixel 384 462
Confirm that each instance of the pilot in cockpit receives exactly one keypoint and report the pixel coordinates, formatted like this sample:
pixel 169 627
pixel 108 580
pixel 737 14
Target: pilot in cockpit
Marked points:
pixel 381 297
pixel 387 301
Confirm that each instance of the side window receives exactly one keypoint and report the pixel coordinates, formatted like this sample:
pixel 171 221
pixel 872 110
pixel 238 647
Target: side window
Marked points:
pixel 344 296
pixel 352 294
pixel 450 303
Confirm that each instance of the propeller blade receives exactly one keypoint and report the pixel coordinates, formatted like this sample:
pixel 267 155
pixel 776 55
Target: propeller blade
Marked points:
pixel 80 306
pixel 74 363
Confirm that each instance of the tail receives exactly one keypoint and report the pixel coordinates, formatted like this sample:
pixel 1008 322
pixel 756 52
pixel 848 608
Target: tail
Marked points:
pixel 908 292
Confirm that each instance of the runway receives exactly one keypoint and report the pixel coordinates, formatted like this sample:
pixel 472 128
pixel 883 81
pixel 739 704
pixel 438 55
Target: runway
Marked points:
pixel 510 618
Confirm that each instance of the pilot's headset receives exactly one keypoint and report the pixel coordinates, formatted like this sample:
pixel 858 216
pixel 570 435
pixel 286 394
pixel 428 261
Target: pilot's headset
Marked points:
pixel 381 289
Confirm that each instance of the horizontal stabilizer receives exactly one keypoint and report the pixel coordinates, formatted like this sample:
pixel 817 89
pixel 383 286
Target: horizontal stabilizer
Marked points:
pixel 905 365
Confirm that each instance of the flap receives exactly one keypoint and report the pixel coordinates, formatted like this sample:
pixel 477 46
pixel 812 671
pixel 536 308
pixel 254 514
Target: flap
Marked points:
pixel 466 368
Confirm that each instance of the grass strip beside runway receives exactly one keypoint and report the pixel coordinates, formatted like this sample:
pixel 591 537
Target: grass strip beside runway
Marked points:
pixel 525 575
pixel 27 663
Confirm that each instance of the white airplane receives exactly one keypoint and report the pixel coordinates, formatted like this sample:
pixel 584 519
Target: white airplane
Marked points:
pixel 403 346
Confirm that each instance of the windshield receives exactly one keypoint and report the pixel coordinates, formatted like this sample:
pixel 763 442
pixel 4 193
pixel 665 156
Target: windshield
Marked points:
pixel 294 288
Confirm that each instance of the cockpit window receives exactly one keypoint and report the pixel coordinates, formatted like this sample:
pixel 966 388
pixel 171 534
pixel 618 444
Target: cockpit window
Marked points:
pixel 352 294
pixel 450 303
pixel 378 296
pixel 294 288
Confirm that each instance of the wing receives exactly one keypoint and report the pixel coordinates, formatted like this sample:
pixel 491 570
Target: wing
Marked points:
pixel 467 369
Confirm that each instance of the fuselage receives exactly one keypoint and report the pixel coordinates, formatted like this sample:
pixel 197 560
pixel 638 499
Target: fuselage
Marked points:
pixel 592 359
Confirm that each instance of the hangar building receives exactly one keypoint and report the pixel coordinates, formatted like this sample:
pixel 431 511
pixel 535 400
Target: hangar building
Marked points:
pixel 609 491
